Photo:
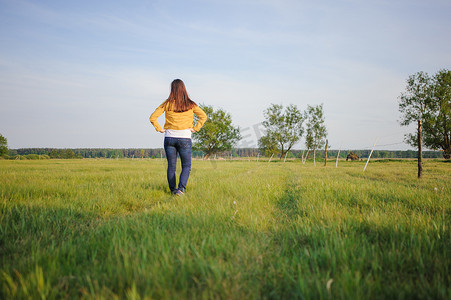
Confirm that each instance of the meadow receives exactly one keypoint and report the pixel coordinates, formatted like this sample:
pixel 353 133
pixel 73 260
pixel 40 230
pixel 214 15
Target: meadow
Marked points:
pixel 109 229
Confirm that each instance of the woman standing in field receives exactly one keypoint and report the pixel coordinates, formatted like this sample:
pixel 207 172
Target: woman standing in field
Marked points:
pixel 178 127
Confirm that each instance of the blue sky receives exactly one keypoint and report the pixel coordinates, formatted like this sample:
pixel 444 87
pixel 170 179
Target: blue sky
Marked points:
pixel 89 73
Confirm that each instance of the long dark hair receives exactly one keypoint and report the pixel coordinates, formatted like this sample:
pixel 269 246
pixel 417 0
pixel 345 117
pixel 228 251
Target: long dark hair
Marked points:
pixel 178 100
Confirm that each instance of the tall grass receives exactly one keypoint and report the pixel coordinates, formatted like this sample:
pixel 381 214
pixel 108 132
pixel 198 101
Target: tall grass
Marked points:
pixel 109 229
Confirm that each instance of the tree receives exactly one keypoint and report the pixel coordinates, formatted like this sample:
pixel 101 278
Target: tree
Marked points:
pixel 3 145
pixel 283 129
pixel 218 134
pixel 316 129
pixel 55 154
pixel 414 105
pixel 428 99
pixel 437 126
pixel 268 145
pixel 68 154
pixel 414 102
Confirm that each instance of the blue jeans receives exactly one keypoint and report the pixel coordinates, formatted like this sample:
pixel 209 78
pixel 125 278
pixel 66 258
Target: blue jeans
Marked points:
pixel 182 146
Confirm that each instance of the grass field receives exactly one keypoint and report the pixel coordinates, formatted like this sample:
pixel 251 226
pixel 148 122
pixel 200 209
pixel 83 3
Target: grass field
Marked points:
pixel 108 229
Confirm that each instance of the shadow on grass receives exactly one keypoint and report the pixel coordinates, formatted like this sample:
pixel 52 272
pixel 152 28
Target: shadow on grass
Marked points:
pixel 397 261
pixel 155 186
pixel 288 204
pixel 204 255
pixel 59 253
pixel 22 226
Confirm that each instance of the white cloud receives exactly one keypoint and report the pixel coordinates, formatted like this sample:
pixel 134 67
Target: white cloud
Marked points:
pixel 87 75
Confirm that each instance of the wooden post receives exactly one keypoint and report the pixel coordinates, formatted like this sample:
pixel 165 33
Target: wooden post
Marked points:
pixel 325 153
pixel 314 152
pixel 304 159
pixel 420 150
pixel 314 157
pixel 336 162
pixel 369 156
pixel 270 158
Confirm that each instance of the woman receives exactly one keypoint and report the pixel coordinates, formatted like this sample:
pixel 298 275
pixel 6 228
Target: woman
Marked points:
pixel 179 109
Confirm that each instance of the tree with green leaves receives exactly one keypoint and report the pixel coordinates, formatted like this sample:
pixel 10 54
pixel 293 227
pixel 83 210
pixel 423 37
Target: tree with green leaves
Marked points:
pixel 3 145
pixel 316 131
pixel 218 133
pixel 437 128
pixel 268 145
pixel 426 101
pixel 54 154
pixel 283 129
pixel 414 105
pixel 68 154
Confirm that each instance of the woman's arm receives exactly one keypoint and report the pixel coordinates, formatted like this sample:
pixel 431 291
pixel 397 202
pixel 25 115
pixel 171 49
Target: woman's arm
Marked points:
pixel 202 118
pixel 154 116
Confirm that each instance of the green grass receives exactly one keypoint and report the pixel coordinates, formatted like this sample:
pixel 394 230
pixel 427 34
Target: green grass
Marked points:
pixel 109 229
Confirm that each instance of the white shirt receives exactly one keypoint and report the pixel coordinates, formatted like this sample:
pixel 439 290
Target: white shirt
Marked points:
pixel 184 134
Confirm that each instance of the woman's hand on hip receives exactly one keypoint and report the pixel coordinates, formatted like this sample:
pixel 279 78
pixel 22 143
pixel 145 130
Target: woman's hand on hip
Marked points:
pixel 162 130
pixel 192 130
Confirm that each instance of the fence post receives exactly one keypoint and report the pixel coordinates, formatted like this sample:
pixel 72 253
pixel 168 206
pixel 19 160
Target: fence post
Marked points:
pixel 420 150
pixel 270 158
pixel 314 157
pixel 325 153
pixel 336 163
pixel 369 156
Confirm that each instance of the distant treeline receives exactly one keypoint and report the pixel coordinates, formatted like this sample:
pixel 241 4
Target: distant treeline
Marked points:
pixel 36 153
pixel 252 152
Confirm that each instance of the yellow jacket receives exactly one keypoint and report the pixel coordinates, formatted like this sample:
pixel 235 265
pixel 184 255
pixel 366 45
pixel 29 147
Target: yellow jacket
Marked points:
pixel 178 120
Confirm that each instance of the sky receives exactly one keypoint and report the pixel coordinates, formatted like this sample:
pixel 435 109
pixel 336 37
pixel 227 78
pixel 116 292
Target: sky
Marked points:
pixel 88 74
